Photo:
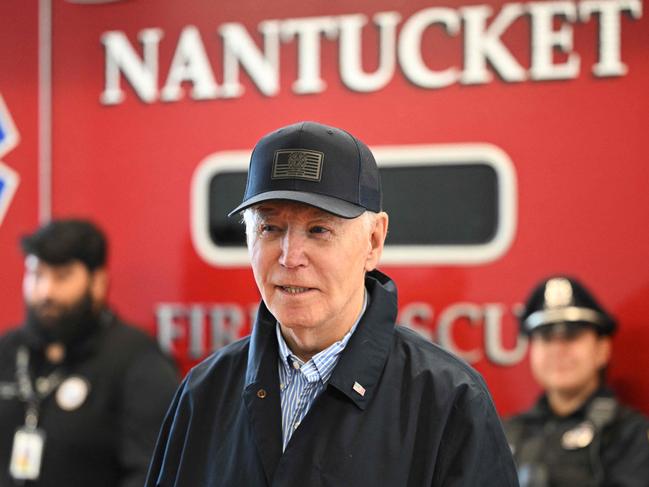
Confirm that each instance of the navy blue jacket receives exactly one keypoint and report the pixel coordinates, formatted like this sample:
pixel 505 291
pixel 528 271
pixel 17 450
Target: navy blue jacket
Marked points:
pixel 426 418
pixel 107 441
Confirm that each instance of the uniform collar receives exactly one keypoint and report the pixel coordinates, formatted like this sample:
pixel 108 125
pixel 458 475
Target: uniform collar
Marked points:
pixel 542 407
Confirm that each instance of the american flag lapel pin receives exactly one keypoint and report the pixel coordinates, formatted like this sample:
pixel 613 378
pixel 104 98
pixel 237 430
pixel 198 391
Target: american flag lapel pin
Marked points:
pixel 359 389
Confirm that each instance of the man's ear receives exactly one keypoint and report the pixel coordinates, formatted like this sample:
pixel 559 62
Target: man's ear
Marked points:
pixel 99 285
pixel 603 351
pixel 378 233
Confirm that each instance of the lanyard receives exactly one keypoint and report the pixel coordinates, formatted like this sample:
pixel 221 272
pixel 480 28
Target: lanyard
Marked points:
pixel 30 395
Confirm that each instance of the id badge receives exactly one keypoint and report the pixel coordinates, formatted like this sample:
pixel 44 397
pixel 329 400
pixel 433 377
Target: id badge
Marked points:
pixel 27 453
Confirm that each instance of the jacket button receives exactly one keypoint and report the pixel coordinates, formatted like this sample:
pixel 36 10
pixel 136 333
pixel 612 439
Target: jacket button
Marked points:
pixel 261 393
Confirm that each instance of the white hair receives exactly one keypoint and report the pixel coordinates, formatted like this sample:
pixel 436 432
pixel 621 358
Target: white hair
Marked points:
pixel 249 217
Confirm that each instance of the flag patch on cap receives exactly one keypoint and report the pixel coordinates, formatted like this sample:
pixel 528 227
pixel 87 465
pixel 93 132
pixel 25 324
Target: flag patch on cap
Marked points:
pixel 297 164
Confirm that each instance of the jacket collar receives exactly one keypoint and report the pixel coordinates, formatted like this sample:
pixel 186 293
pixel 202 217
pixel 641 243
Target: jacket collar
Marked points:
pixel 261 393
pixel 263 347
pixel 361 363
pixel 364 356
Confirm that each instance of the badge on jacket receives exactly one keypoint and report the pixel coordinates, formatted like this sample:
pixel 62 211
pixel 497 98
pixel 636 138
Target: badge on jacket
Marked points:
pixel 72 393
pixel 578 437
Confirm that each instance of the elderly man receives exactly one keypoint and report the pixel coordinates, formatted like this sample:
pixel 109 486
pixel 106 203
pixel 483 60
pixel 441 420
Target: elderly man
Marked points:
pixel 577 434
pixel 327 391
pixel 82 395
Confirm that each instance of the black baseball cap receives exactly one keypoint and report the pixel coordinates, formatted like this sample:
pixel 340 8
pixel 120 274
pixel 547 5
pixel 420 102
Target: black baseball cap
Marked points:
pixel 316 164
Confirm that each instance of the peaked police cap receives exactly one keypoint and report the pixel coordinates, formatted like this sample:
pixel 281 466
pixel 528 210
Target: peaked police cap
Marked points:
pixel 564 300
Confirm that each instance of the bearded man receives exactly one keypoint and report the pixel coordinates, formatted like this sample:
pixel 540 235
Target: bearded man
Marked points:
pixel 82 394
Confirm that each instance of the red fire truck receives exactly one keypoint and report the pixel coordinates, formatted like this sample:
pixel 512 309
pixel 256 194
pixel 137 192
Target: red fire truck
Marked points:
pixel 511 137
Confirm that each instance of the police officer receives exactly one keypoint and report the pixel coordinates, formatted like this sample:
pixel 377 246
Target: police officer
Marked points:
pixel 82 394
pixel 577 434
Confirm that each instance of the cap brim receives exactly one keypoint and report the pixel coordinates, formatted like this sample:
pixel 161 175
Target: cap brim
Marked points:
pixel 569 314
pixel 335 206
pixel 563 328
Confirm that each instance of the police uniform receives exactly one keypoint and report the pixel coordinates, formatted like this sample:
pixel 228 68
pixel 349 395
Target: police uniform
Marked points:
pixel 98 412
pixel 601 444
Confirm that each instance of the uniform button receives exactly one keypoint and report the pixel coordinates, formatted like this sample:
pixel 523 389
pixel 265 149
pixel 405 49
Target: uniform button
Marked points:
pixel 261 393
pixel 296 365
pixel 297 423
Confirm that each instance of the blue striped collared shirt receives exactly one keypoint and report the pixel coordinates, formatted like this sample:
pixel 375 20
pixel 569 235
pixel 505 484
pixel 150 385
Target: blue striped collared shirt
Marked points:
pixel 300 383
